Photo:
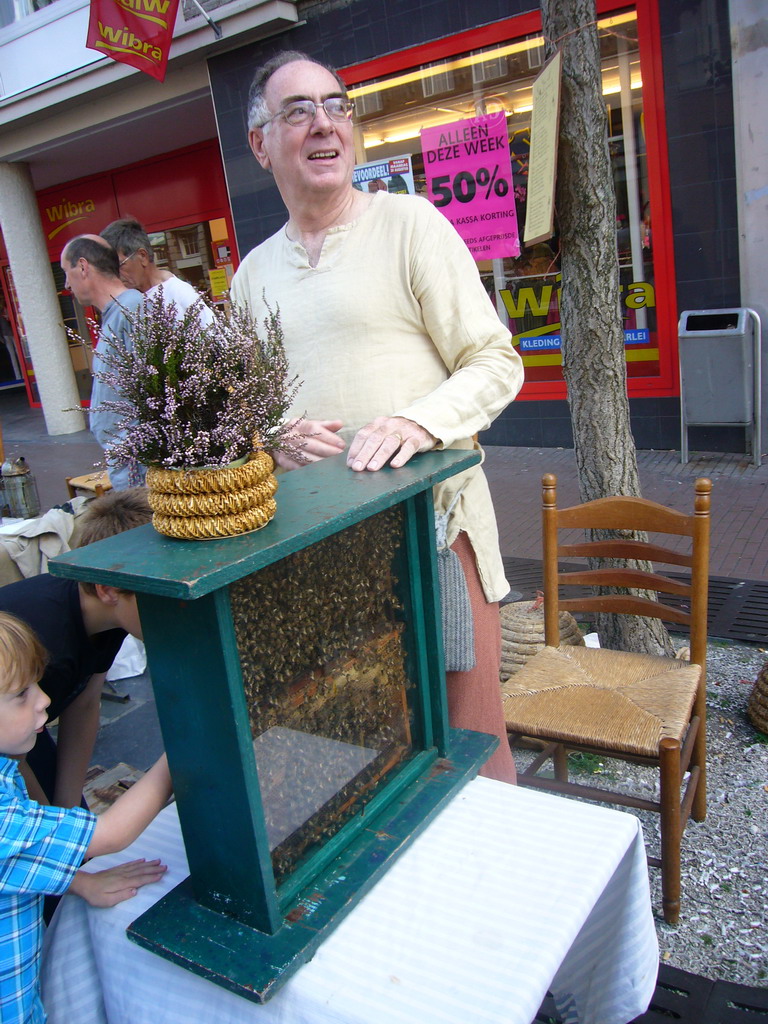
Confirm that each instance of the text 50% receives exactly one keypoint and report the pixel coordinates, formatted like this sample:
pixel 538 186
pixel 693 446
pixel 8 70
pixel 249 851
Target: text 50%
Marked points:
pixel 464 185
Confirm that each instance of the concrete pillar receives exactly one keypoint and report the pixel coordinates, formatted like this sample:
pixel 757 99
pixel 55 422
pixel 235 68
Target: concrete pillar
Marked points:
pixel 36 291
pixel 749 51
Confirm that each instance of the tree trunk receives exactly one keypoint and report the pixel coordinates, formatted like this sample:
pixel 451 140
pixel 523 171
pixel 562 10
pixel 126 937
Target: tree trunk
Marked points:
pixel 592 332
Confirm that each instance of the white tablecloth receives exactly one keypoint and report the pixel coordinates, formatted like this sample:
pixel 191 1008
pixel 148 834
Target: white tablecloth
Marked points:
pixel 508 893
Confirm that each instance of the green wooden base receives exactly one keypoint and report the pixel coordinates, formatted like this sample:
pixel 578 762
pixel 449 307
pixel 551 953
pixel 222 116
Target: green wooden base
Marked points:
pixel 254 964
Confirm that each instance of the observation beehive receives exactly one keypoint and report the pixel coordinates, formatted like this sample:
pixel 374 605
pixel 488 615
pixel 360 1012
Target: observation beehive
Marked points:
pixel 298 674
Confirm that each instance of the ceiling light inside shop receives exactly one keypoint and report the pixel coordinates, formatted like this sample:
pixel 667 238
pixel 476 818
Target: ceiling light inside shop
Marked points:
pixel 520 46
pixel 405 122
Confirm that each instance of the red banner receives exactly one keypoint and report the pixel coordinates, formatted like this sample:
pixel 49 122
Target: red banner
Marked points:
pixel 135 32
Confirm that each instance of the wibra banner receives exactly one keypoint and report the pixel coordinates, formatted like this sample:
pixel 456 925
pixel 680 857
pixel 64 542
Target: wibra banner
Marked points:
pixel 135 32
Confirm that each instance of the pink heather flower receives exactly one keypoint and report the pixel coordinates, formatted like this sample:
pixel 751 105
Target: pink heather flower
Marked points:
pixel 192 395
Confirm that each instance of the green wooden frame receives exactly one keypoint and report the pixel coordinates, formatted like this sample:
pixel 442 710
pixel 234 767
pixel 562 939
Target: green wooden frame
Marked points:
pixel 230 921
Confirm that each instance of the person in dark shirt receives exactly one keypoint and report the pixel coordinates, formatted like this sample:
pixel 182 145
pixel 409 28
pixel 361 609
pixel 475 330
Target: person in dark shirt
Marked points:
pixel 82 626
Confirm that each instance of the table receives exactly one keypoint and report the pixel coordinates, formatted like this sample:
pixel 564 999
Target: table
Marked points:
pixel 509 892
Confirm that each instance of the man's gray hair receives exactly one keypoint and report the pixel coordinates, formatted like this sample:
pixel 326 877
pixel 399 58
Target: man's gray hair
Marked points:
pixel 258 111
pixel 128 236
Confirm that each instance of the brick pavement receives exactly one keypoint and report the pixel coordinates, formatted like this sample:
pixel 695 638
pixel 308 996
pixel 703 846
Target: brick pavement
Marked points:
pixel 739 497
pixel 739 500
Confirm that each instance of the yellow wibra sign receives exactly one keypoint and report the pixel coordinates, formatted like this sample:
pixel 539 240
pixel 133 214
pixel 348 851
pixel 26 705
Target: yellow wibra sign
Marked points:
pixel 150 10
pixel 135 32
pixel 120 40
pixel 65 213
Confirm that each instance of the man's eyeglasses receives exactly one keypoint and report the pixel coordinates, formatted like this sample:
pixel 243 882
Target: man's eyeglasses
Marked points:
pixel 126 258
pixel 302 112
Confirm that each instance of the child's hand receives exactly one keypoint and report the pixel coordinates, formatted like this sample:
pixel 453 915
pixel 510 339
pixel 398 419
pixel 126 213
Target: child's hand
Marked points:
pixel 112 886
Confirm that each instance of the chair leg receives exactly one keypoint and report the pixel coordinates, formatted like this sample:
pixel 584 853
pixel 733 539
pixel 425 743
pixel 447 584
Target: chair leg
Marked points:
pixel 560 763
pixel 669 759
pixel 699 807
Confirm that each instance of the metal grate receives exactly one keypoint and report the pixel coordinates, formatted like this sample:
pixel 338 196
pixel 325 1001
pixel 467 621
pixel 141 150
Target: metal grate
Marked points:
pixel 737 609
pixel 679 996
pixel 741 611
pixel 737 1004
pixel 690 999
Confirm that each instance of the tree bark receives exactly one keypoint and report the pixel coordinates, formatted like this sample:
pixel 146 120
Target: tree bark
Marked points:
pixel 594 365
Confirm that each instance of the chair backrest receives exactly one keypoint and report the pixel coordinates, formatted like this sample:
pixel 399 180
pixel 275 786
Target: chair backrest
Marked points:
pixel 622 518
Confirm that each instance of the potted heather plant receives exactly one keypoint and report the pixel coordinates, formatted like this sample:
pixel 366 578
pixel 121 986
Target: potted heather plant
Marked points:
pixel 201 406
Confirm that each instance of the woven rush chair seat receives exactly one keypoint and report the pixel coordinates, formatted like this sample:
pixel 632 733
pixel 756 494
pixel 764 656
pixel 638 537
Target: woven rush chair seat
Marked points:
pixel 602 699
pixel 640 708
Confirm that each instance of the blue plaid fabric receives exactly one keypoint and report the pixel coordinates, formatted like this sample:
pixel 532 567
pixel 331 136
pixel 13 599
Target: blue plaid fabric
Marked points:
pixel 41 848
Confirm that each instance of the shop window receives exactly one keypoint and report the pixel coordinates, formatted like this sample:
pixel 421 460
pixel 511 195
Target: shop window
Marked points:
pixel 535 56
pixel 188 253
pixel 368 103
pixel 11 370
pixel 23 362
pixel 15 10
pixel 489 70
pixel 435 83
pixel 499 78
pixel 159 248
pixel 189 243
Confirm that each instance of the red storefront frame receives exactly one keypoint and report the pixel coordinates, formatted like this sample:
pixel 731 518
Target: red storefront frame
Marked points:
pixel 666 383
pixel 181 187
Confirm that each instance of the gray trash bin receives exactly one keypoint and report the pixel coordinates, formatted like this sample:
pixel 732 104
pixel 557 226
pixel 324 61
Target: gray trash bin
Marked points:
pixel 719 372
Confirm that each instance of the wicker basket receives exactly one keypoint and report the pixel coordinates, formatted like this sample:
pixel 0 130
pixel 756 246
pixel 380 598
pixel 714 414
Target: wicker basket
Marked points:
pixel 522 634
pixel 202 504
pixel 757 708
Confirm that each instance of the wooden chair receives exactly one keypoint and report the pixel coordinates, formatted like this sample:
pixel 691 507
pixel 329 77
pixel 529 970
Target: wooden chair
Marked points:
pixel 637 707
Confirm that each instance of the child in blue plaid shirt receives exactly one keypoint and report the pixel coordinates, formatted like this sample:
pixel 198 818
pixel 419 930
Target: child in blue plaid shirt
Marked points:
pixel 42 847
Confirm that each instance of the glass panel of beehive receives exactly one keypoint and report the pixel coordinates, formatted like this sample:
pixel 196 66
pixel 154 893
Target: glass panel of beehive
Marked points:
pixel 320 639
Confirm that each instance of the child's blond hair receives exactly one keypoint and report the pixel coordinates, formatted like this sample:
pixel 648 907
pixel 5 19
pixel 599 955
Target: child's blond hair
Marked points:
pixel 22 657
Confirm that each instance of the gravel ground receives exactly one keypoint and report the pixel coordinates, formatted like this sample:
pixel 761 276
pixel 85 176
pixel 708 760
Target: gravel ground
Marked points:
pixel 723 929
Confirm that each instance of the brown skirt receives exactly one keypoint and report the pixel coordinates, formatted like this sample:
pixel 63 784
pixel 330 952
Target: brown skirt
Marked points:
pixel 474 697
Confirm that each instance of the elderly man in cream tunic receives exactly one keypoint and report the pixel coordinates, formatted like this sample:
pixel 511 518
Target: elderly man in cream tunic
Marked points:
pixel 388 325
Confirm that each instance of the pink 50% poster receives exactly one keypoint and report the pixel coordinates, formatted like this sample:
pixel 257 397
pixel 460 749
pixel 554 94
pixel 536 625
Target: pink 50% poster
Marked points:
pixel 469 179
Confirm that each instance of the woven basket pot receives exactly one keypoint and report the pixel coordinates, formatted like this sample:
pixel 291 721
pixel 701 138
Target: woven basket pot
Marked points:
pixel 220 501
pixel 522 634
pixel 757 709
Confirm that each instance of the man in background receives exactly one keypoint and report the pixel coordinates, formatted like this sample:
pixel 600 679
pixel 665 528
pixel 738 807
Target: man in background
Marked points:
pixel 93 276
pixel 138 269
